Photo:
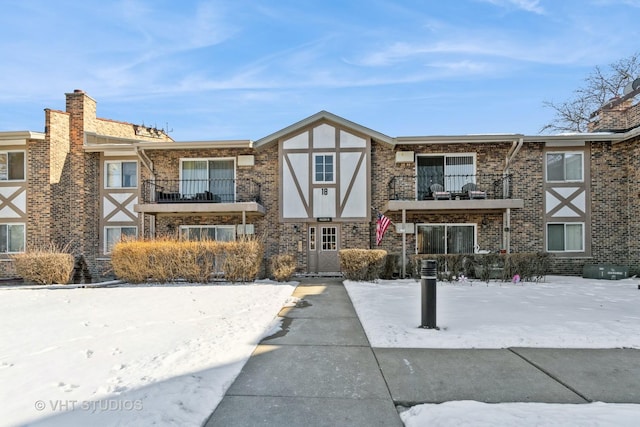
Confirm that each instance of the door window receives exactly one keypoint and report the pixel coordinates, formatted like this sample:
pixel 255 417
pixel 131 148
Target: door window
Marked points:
pixel 329 238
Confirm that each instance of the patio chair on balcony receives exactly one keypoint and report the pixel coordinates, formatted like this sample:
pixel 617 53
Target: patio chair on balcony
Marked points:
pixel 438 192
pixel 471 191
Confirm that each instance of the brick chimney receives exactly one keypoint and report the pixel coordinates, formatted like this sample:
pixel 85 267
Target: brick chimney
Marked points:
pixel 82 110
pixel 78 174
pixel 617 115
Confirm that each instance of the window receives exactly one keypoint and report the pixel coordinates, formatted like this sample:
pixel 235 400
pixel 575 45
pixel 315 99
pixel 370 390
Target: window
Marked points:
pixel 450 170
pixel 113 235
pixel 446 238
pixel 12 238
pixel 564 166
pixel 568 237
pixel 11 165
pixel 208 175
pixel 121 174
pixel 312 238
pixel 224 233
pixel 329 238
pixel 323 168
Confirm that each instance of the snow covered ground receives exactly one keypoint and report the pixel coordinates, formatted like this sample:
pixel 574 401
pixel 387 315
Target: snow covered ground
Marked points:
pixel 165 355
pixel 130 355
pixel 561 312
pixel 565 312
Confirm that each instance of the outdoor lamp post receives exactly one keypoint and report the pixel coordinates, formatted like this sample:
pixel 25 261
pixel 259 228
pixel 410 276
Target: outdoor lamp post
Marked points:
pixel 428 293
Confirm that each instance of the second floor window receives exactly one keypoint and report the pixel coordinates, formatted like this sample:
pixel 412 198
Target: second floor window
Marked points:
pixel 216 176
pixel 121 174
pixel 11 165
pixel 452 171
pixel 323 168
pixel 564 167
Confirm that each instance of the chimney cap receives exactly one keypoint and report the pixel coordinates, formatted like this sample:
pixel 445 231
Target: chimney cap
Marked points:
pixel 78 91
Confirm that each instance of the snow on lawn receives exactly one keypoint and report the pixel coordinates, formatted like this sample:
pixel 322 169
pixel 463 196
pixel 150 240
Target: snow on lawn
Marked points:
pixel 477 414
pixel 563 312
pixel 128 355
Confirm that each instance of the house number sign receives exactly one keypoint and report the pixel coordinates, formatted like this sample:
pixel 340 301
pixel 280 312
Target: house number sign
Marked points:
pixel 325 191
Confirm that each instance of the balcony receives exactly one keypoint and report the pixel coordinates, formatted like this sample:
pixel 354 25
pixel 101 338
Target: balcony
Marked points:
pixel 456 192
pixel 200 196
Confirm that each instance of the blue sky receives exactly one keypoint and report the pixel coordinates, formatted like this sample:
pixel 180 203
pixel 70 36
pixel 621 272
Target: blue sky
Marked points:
pixel 242 69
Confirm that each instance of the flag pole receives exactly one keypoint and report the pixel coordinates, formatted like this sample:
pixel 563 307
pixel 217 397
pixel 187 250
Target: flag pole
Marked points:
pixel 404 243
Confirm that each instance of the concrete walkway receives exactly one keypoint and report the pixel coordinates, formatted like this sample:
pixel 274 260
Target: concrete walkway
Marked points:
pixel 321 371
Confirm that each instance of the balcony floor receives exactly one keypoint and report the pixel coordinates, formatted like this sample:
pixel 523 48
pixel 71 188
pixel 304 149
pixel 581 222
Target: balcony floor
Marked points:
pixel 454 205
pixel 191 207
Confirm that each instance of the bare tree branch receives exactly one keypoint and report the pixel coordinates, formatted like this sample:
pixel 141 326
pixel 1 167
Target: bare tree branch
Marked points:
pixel 600 86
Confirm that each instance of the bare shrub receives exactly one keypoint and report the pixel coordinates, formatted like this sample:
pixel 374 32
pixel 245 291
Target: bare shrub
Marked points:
pixel 283 266
pixel 242 259
pixel 167 260
pixel 48 265
pixel 362 264
pixel 164 260
pixel 130 260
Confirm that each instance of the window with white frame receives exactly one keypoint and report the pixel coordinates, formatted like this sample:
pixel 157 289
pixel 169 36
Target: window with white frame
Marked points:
pixel 446 238
pixel 12 237
pixel 312 238
pixel 121 174
pixel 113 235
pixel 452 171
pixel 224 233
pixel 324 168
pixel 565 237
pixel 214 178
pixel 564 166
pixel 12 165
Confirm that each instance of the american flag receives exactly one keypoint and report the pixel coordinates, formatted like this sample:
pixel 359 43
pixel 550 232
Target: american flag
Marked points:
pixel 381 226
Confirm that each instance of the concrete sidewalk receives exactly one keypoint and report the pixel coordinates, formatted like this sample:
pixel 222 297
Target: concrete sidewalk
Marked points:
pixel 321 371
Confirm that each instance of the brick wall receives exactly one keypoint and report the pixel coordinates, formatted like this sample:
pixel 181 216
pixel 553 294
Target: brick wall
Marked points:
pixel 264 172
pixel 622 117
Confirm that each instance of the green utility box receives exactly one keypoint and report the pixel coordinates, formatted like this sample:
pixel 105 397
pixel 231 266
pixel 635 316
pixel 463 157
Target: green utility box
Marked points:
pixel 605 271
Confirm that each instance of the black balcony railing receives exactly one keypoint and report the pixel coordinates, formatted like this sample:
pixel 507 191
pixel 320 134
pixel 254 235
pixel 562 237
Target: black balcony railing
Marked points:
pixel 200 191
pixel 412 187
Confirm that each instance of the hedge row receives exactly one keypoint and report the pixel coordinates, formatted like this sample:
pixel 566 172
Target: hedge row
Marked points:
pixel 362 264
pixel 167 260
pixel 530 267
pixel 46 266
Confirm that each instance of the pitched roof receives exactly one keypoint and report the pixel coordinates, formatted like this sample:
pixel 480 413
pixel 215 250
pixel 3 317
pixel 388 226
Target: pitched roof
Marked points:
pixel 322 115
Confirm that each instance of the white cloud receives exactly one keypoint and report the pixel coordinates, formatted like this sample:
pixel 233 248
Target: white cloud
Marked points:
pixel 532 6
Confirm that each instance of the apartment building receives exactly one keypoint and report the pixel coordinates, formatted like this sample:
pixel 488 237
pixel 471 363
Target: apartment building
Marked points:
pixel 316 186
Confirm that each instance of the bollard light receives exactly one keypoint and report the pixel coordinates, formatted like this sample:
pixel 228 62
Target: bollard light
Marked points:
pixel 428 272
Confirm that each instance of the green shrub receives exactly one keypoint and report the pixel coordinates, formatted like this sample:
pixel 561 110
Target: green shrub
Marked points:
pixel 283 266
pixel 362 264
pixel 44 266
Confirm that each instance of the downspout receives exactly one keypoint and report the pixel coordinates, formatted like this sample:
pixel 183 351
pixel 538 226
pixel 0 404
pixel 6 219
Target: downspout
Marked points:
pixel 515 147
pixel 506 215
pixel 146 161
